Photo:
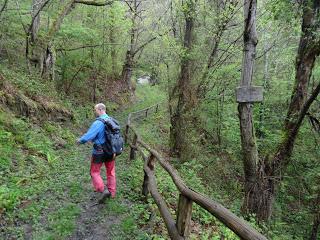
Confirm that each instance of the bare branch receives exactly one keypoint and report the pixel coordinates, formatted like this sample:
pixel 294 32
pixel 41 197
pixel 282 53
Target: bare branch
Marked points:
pixel 87 46
pixel 23 25
pixel 37 13
pixel 144 44
pixel 77 48
pixel 314 122
pixel 129 6
pixel 149 41
pixel 94 3
pixel 306 107
pixel 3 7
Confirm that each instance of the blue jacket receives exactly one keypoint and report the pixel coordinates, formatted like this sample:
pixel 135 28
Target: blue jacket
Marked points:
pixel 95 133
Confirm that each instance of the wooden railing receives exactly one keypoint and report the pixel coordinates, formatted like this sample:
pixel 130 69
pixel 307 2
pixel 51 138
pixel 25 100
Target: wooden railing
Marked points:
pixel 179 229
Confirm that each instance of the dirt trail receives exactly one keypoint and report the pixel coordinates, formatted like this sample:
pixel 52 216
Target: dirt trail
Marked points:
pixel 92 224
pixel 101 221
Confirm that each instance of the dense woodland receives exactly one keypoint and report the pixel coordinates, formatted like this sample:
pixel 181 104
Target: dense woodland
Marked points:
pixel 212 60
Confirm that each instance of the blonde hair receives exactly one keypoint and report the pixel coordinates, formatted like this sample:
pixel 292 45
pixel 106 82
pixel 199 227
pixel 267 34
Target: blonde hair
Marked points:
pixel 100 106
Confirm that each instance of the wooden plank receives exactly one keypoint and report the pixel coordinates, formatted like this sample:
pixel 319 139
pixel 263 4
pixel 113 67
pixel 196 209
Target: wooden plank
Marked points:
pixel 184 213
pixel 249 94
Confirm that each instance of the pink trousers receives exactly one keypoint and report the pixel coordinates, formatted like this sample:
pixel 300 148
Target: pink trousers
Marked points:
pixel 96 178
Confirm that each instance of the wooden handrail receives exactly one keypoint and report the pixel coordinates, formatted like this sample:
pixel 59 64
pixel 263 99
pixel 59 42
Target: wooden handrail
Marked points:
pixel 163 208
pixel 239 226
pixel 130 116
pixel 145 111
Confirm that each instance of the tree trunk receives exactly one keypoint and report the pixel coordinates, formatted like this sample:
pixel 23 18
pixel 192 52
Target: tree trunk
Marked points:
pixel 261 184
pixel 33 57
pixel 252 201
pixel 48 64
pixel 307 53
pixel 316 220
pixel 127 71
pixel 315 227
pixel 259 195
pixel 40 53
pixel 129 60
pixel 183 93
pixel 132 52
pixel 36 5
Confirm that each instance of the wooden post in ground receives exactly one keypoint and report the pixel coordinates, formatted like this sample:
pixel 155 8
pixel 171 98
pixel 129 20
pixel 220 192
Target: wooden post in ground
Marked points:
pixel 247 94
pixel 145 190
pixel 126 134
pixel 133 147
pixel 184 213
pixel 150 163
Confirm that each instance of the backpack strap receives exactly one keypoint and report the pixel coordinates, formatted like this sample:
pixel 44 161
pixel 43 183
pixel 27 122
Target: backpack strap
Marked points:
pixel 101 120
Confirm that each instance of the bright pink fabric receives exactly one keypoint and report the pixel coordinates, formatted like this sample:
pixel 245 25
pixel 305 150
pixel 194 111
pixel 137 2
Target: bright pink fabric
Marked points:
pixel 96 178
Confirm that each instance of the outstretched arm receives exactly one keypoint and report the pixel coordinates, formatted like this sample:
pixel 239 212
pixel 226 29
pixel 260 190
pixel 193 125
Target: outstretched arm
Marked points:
pixel 91 133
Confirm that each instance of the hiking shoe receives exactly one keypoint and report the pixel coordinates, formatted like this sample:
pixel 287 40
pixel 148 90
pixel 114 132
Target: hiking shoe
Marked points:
pixel 106 194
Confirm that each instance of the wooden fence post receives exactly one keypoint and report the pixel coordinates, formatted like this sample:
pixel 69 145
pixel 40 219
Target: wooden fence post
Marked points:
pixel 126 134
pixel 133 147
pixel 147 112
pixel 150 163
pixel 145 190
pixel 184 213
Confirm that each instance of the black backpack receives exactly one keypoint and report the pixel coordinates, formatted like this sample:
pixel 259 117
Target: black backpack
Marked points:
pixel 114 140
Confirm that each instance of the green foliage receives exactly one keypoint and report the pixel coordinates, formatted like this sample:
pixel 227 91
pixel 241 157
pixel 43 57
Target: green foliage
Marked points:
pixel 189 172
pixel 90 49
pixel 62 222
pixel 31 85
pixel 30 169
pixel 283 10
pixel 128 225
pixel 8 198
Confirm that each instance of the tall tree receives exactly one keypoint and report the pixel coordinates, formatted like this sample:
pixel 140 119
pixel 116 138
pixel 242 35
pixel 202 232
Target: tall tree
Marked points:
pixel 263 175
pixel 182 96
pixel 316 220
pixel 136 44
pixel 40 52
pixel 248 140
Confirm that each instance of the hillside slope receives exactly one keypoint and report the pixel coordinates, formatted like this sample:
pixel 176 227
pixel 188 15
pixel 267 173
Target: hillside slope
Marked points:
pixel 45 186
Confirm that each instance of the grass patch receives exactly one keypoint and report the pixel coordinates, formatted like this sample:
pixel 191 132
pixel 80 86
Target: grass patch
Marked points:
pixel 62 222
